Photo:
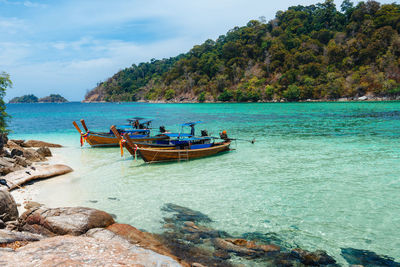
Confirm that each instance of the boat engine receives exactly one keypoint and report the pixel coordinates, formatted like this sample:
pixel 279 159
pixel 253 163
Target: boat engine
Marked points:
pixel 204 133
pixel 162 129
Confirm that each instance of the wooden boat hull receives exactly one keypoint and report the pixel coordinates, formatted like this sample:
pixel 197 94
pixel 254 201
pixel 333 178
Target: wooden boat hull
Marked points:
pixel 95 139
pixel 151 155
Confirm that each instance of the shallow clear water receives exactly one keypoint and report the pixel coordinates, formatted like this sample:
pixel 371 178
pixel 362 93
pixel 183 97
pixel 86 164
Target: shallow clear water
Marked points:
pixel 320 175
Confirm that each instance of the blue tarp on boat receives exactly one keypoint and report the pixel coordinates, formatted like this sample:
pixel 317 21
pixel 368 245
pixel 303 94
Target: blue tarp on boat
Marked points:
pixel 177 134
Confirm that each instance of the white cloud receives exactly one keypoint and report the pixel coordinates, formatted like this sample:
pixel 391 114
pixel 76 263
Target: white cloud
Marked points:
pixel 33 4
pixel 73 77
pixel 12 26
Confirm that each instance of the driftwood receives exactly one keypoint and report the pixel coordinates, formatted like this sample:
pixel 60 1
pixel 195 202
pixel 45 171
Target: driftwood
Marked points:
pixel 17 178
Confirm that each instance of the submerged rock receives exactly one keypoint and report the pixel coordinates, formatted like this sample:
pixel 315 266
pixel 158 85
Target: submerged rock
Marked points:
pixel 202 231
pixel 367 258
pixel 318 257
pixel 188 239
pixel 230 246
pixel 62 221
pixel 186 214
pixel 8 207
pixel 266 238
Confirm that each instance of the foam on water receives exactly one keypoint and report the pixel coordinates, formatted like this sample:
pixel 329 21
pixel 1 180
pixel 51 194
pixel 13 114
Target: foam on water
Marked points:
pixel 320 175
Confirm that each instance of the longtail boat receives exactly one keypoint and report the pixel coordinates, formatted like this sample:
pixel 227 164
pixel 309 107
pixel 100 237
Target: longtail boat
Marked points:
pixel 151 155
pixel 184 149
pixel 109 139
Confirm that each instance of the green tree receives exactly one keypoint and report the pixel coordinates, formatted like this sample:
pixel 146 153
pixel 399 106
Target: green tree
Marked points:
pixel 292 93
pixel 5 83
pixel 169 94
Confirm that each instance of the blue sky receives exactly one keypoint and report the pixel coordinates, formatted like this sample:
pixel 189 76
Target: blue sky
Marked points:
pixel 67 47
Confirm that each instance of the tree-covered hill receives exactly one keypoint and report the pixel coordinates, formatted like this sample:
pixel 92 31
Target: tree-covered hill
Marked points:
pixel 24 99
pixel 53 98
pixel 306 52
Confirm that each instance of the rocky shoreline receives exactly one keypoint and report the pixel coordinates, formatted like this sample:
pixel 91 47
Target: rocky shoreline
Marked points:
pixel 365 98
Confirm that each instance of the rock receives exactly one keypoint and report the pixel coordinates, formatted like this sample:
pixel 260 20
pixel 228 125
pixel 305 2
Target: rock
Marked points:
pixel 201 231
pixel 229 246
pixel 2 224
pixel 7 236
pixel 234 245
pixel 4 162
pixel 140 238
pixel 11 145
pixel 5 153
pixel 318 257
pixel 20 177
pixel 21 161
pixel 7 170
pixel 186 214
pixel 32 155
pixel 18 142
pixel 36 143
pixel 44 151
pixel 221 254
pixel 269 248
pixel 12 225
pixel 106 235
pixel 30 205
pixel 16 152
pixel 62 221
pixel 362 98
pixel 366 258
pixel 8 207
pixel 82 251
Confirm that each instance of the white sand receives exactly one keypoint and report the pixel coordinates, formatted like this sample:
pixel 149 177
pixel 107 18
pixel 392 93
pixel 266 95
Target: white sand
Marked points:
pixel 30 192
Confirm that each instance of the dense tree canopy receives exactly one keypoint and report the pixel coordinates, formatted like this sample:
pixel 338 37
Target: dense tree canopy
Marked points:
pixel 305 52
pixel 25 99
pixel 53 98
pixel 5 82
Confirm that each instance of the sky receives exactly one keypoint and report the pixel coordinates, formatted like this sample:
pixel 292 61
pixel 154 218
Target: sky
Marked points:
pixel 67 47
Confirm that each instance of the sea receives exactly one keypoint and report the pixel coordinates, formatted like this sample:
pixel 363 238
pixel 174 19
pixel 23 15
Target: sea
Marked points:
pixel 320 176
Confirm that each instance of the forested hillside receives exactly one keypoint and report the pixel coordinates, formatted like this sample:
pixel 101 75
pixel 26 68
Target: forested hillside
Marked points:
pixel 306 52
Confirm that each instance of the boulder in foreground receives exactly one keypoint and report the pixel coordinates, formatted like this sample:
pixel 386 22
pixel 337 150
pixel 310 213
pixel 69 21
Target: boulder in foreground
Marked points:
pixel 8 207
pixel 82 251
pixel 63 221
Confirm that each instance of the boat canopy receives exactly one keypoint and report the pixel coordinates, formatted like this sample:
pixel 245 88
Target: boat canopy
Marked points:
pixel 129 128
pixel 135 119
pixel 195 138
pixel 191 123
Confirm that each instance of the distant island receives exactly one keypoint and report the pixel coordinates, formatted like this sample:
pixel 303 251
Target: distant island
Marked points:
pixel 306 53
pixel 53 98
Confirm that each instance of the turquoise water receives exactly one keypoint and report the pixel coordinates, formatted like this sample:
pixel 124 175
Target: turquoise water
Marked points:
pixel 320 175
